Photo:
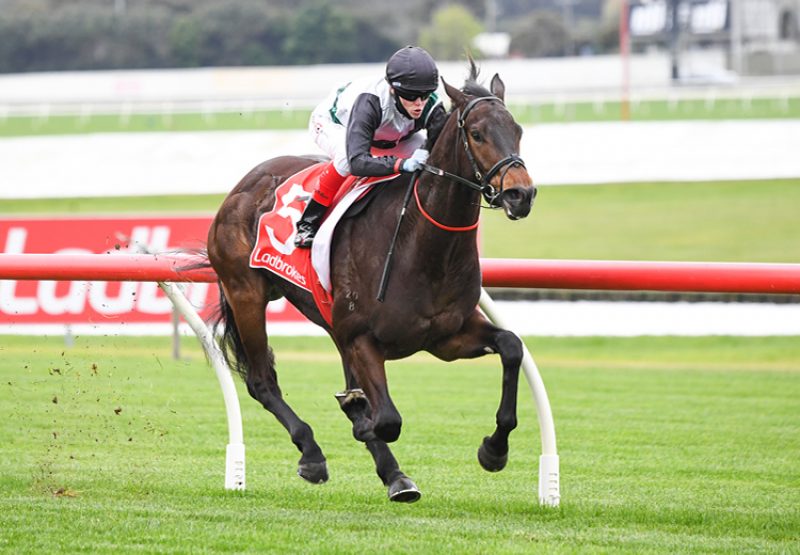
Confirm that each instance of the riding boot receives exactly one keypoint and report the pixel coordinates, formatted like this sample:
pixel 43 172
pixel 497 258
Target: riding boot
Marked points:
pixel 309 224
pixel 330 181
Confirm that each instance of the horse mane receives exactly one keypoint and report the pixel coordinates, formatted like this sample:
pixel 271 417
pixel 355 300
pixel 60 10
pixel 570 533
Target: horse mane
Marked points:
pixel 472 88
pixel 471 85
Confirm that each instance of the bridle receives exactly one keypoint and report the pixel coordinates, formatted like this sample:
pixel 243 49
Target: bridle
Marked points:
pixel 481 184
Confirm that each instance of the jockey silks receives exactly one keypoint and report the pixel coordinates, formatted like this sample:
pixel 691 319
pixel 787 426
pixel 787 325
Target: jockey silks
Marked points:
pixel 363 115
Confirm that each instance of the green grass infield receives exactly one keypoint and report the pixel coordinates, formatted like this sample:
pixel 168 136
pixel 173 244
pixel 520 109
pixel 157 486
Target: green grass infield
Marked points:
pixel 667 445
pixel 734 221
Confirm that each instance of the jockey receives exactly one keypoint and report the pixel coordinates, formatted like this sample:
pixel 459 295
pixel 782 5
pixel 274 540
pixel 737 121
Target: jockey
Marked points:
pixel 373 127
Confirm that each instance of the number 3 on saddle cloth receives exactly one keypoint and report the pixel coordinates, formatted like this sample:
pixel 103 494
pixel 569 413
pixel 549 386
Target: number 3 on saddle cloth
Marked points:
pixel 274 249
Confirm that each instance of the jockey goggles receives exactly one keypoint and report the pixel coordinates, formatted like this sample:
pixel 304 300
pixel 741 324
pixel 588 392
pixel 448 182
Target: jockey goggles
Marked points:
pixel 412 96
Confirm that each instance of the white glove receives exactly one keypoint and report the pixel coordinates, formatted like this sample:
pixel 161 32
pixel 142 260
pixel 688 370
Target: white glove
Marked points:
pixel 419 157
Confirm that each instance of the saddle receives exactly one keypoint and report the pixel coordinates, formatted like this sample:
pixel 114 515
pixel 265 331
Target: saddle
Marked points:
pixel 308 269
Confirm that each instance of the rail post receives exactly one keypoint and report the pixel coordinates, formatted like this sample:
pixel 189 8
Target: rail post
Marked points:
pixel 234 452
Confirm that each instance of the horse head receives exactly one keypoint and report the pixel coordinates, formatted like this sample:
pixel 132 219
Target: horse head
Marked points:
pixel 490 138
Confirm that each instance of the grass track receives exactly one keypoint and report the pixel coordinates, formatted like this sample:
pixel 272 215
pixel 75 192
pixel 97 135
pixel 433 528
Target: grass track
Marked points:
pixel 667 445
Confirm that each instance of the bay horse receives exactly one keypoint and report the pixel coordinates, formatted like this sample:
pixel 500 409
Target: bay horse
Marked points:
pixel 432 291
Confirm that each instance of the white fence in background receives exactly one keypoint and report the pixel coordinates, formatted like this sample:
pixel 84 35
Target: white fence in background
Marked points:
pixel 595 79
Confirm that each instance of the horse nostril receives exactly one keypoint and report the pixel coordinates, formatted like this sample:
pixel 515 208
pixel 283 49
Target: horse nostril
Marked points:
pixel 534 192
pixel 512 196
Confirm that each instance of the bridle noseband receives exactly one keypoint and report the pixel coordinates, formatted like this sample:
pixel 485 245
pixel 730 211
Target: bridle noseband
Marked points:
pixel 482 185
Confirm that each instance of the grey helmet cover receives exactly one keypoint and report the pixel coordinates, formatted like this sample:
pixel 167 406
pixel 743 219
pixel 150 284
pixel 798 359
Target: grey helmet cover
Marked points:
pixel 412 69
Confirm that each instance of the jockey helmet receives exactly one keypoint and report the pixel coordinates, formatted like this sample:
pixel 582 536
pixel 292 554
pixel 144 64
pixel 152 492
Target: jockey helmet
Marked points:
pixel 412 70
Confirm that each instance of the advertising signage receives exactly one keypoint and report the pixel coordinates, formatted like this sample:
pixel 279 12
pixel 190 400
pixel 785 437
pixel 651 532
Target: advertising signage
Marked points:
pixel 653 19
pixel 98 306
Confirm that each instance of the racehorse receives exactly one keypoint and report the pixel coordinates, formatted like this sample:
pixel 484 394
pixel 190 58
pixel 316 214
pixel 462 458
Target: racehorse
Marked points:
pixel 431 296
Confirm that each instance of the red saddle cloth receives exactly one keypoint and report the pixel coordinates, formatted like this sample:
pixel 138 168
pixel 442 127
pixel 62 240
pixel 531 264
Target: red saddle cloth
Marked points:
pixel 274 249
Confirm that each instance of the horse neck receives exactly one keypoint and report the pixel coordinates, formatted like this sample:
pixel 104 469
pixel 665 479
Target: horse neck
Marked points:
pixel 448 202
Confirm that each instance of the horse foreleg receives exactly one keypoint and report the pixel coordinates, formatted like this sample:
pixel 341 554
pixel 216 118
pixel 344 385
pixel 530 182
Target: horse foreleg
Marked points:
pixel 479 337
pixel 400 487
pixel 248 304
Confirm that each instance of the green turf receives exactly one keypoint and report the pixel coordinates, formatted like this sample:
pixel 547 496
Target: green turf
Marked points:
pixel 125 123
pixel 748 221
pixel 667 445
pixel 553 112
pixel 100 205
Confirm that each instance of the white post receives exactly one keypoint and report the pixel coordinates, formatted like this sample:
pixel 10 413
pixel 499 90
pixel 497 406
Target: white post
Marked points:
pixel 549 482
pixel 234 453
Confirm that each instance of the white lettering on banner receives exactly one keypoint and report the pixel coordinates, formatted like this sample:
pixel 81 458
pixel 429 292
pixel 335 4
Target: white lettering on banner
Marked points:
pixel 282 267
pixel 145 240
pixel 9 302
pixel 149 302
pixel 290 212
pixel 120 303
pixel 140 240
pixel 197 293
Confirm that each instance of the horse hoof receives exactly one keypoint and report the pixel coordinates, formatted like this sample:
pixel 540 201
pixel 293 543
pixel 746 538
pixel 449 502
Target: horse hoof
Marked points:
pixel 403 490
pixel 491 461
pixel 316 473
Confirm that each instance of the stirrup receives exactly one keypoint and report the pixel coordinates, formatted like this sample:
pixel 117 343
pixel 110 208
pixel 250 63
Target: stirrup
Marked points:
pixel 305 238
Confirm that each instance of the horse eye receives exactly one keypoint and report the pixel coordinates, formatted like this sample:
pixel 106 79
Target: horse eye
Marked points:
pixel 476 135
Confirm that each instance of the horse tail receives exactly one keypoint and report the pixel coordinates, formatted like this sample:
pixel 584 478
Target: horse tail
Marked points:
pixel 230 342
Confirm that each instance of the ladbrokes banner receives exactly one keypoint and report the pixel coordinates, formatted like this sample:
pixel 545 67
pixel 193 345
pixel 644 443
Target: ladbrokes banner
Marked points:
pixel 27 304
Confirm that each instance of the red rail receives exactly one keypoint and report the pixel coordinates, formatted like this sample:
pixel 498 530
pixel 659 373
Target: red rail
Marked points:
pixel 102 267
pixel 497 272
pixel 721 277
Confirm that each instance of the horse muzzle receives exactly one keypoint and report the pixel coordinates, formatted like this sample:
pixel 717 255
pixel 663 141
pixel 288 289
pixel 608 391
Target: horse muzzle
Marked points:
pixel 517 201
pixel 512 186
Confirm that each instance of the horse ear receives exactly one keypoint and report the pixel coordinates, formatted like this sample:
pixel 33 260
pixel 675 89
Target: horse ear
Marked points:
pixel 458 98
pixel 498 88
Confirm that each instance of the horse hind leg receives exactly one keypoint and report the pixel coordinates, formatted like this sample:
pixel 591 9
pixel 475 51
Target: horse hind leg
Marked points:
pixel 400 488
pixel 248 305
pixel 367 365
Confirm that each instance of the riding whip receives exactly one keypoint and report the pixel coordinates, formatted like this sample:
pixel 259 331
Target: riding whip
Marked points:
pixel 388 264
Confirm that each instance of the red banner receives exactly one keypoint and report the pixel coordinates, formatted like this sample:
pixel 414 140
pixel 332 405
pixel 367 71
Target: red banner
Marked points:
pixel 98 302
